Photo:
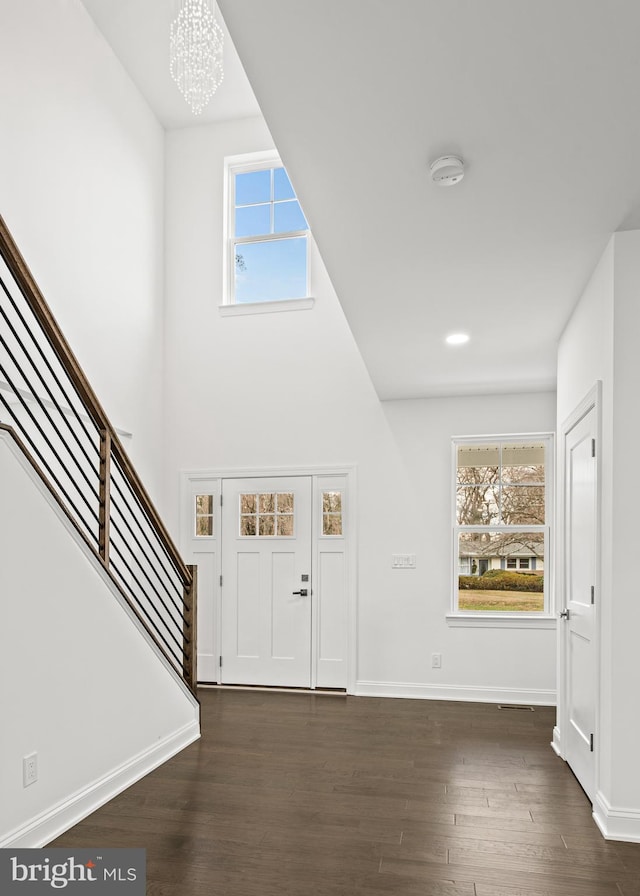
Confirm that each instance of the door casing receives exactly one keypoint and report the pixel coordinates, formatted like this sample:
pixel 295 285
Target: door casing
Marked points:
pixel 195 481
pixel 266 620
pixel 591 402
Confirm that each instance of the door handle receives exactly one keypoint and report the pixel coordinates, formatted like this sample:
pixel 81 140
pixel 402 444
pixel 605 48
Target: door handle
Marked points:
pixel 303 592
pixel 565 614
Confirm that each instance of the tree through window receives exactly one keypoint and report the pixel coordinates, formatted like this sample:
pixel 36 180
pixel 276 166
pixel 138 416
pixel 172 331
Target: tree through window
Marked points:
pixel 501 527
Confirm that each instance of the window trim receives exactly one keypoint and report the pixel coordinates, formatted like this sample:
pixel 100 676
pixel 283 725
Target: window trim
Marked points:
pixel 484 618
pixel 247 162
pixel 266 307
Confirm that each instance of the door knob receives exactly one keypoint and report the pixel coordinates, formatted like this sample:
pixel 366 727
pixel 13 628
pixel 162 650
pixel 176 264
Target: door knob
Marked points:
pixel 303 592
pixel 565 614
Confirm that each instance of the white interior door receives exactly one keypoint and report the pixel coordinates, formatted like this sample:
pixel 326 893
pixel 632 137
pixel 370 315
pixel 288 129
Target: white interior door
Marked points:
pixel 580 554
pixel 266 581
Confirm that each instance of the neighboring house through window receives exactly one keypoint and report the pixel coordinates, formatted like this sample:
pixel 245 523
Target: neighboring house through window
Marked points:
pixel 267 235
pixel 501 525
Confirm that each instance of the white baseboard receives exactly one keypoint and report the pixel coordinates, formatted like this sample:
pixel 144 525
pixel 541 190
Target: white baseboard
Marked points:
pixel 55 821
pixel 455 692
pixel 616 823
pixel 556 743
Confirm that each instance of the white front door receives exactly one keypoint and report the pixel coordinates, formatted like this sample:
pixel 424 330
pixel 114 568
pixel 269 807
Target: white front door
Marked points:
pixel 266 581
pixel 580 554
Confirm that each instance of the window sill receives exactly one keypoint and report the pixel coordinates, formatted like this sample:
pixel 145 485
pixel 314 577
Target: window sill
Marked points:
pixel 487 620
pixel 266 307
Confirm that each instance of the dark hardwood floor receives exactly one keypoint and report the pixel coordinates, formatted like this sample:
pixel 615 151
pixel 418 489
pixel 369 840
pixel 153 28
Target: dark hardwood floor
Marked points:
pixel 320 795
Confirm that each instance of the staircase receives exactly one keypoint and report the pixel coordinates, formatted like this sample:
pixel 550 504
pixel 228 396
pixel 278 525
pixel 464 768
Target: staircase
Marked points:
pixel 51 412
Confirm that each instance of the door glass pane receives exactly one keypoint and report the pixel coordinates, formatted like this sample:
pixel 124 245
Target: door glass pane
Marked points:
pixel 268 514
pixel 285 502
pixel 332 502
pixel 204 526
pixel 248 503
pixel 204 504
pixel 266 525
pixel 492 582
pixel 285 525
pixel 247 525
pixel 204 516
pixel 267 503
pixel 332 524
pixel 332 513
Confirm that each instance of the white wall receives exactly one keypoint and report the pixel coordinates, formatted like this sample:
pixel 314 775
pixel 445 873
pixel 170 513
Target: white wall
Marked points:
pixel 81 181
pixel 600 343
pixel 79 684
pixel 82 190
pixel 290 389
pixel 422 431
pixel 623 784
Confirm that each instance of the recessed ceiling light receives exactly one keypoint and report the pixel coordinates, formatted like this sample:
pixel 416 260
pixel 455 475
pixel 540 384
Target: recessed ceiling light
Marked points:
pixel 457 339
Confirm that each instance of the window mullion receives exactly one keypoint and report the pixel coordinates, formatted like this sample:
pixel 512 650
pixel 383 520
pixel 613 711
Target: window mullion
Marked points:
pixel 272 204
pixel 500 517
pixel 266 237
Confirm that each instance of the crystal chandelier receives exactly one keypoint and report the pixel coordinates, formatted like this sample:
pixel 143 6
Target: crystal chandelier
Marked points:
pixel 196 53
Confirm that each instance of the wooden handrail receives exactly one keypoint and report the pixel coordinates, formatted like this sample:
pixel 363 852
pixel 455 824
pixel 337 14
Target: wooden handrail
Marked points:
pixel 41 311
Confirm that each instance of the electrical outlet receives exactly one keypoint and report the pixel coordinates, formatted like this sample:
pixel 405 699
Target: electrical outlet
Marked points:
pixel 436 661
pixel 29 769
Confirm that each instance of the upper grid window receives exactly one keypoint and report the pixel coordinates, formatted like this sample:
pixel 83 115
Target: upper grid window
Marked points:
pixel 501 530
pixel 268 235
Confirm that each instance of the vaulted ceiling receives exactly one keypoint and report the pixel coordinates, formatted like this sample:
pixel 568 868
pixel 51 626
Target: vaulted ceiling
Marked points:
pixel 539 97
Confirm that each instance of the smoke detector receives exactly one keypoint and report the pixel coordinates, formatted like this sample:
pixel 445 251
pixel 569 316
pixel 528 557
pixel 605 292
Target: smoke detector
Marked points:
pixel 447 170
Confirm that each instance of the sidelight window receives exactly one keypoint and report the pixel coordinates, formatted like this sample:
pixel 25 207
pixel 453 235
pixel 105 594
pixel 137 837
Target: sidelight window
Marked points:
pixel 204 515
pixel 332 513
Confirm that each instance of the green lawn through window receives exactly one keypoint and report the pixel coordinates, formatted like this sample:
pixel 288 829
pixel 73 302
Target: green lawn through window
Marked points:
pixel 501 601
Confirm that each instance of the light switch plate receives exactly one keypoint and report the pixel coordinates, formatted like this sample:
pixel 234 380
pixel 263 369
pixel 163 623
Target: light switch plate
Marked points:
pixel 403 561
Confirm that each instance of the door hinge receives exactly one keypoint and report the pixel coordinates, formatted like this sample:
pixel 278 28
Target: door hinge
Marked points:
pixel 593 594
pixel 220 581
pixel 220 662
pixel 220 499
pixel 593 447
pixel 591 742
